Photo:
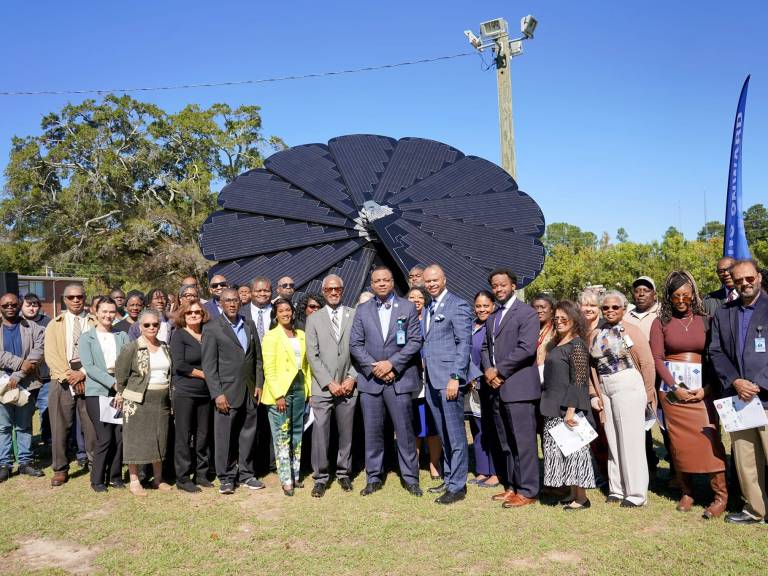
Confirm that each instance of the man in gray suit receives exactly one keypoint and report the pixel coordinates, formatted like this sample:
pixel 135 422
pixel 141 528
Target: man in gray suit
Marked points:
pixel 333 385
pixel 234 373
pixel 384 344
pixel 447 329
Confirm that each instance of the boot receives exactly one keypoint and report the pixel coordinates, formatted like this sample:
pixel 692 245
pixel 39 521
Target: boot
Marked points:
pixel 720 487
pixel 686 501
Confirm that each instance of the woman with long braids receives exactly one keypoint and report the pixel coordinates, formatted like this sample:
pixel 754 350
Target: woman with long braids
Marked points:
pixel 679 338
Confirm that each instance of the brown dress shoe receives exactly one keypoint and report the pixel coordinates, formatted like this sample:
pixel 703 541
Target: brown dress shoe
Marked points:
pixel 503 495
pixel 518 500
pixel 685 504
pixel 59 478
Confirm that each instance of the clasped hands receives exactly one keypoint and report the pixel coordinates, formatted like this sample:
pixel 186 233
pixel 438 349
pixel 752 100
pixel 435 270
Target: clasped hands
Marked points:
pixel 745 389
pixel 383 370
pixel 688 396
pixel 76 381
pixel 344 389
pixel 493 378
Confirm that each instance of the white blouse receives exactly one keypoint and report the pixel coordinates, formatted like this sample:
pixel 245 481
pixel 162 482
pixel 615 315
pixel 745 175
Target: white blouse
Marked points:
pixel 108 348
pixel 296 350
pixel 159 366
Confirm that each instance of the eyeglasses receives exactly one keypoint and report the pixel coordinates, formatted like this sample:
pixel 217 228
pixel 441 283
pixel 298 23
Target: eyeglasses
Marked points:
pixel 151 325
pixel 722 270
pixel 36 304
pixel 75 296
pixel 745 280
pixel 191 312
pixel 189 295
pixel 10 305
pixel 286 285
pixel 562 320
pixel 313 306
pixel 613 307
pixel 685 298
pixel 333 289
pixel 219 285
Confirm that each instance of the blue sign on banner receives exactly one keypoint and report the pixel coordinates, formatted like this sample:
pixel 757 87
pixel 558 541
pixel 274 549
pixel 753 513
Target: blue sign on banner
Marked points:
pixel 735 241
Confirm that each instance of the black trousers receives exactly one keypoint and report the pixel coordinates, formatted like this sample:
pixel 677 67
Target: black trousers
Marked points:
pixel 190 452
pixel 235 435
pixel 108 452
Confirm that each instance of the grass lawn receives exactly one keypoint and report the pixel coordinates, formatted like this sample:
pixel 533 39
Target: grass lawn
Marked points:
pixel 74 530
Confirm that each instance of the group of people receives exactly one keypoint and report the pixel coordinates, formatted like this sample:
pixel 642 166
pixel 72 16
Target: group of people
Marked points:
pixel 134 367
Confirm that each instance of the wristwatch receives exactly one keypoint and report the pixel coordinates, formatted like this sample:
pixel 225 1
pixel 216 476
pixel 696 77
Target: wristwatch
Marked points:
pixel 455 377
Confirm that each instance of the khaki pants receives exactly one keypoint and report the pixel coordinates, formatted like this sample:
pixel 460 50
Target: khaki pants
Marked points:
pixel 61 411
pixel 750 447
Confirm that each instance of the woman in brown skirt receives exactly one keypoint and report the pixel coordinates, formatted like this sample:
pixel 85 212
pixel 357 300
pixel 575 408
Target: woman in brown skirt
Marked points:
pixel 679 343
pixel 142 378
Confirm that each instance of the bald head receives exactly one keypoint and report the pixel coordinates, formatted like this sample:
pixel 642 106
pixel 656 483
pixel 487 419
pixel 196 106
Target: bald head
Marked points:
pixel 434 280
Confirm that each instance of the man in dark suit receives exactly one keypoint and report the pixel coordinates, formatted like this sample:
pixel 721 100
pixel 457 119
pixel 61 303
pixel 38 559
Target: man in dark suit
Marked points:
pixel 738 352
pixel 334 394
pixel 234 372
pixel 259 310
pixel 384 344
pixel 217 285
pixel 509 363
pixel 727 292
pixel 447 329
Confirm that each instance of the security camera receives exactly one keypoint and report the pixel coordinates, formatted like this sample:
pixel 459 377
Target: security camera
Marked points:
pixel 493 29
pixel 528 25
pixel 474 40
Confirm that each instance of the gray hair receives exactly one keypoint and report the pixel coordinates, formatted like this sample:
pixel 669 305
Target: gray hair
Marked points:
pixel 589 297
pixel 332 277
pixel 614 294
pixel 148 312
pixel 187 287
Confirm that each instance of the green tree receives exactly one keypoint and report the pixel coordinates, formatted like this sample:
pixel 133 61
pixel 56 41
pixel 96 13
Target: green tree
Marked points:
pixel 756 223
pixel 712 229
pixel 621 235
pixel 563 234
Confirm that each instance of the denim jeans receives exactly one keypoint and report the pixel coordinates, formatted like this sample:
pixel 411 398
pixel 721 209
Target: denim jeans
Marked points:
pixel 41 403
pixel 16 418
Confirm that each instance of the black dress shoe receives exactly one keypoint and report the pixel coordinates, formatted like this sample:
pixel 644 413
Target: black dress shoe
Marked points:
pixel 118 484
pixel 450 497
pixel 629 504
pixel 573 505
pixel 98 487
pixel 346 484
pixel 370 488
pixel 5 473
pixel 613 500
pixel 204 483
pixel 438 489
pixel 29 470
pixel 318 491
pixel 83 464
pixel 188 486
pixel 741 518
pixel 413 489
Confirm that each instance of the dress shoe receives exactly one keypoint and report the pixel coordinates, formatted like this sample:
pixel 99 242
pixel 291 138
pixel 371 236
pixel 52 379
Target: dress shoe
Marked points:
pixel 413 489
pixel 501 496
pixel 318 491
pixel 117 484
pixel 254 483
pixel 288 490
pixel 629 504
pixel 685 504
pixel 486 484
pixel 59 478
pixel 204 483
pixel 742 518
pixel 188 486
pixel 614 500
pixel 439 489
pixel 83 463
pixel 98 487
pixel 227 488
pixel 5 473
pixel 518 501
pixel 370 488
pixel 449 497
pixel 29 470
pixel 346 484
pixel 298 484
pixel 573 505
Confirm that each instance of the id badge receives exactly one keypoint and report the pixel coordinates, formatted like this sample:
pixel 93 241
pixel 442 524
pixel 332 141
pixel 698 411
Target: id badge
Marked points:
pixel 400 334
pixel 759 344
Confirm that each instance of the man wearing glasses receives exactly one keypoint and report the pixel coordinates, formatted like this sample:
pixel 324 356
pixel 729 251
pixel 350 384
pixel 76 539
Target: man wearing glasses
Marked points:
pixel 217 285
pixel 286 288
pixel 738 352
pixel 727 292
pixel 21 349
pixel 67 393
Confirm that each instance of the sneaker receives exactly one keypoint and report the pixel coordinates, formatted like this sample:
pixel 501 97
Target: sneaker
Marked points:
pixel 254 484
pixel 5 473
pixel 227 488
pixel 29 470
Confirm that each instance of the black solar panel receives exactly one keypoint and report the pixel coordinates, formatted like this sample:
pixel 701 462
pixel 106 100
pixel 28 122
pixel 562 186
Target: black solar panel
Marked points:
pixel 314 210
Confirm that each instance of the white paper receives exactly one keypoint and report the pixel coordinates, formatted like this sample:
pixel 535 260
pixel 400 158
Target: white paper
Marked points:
pixel 687 374
pixel 570 440
pixel 650 418
pixel 4 379
pixel 735 414
pixel 108 413
pixel 309 417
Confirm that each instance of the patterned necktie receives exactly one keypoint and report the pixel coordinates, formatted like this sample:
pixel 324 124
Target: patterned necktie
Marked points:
pixel 731 296
pixel 77 330
pixel 335 324
pixel 431 314
pixel 497 322
pixel 260 325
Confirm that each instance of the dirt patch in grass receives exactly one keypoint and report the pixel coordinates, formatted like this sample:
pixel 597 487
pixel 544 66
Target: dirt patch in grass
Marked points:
pixel 41 554
pixel 562 557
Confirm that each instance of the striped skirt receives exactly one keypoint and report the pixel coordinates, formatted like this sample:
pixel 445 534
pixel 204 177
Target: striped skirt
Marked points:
pixel 574 470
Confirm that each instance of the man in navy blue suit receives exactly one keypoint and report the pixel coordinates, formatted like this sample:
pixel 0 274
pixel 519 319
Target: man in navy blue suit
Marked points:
pixel 217 285
pixel 738 352
pixel 447 329
pixel 509 363
pixel 384 344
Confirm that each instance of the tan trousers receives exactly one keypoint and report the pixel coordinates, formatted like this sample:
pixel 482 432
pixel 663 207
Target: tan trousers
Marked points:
pixel 624 401
pixel 750 447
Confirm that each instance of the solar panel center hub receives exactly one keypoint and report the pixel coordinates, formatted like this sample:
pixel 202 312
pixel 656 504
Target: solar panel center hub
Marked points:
pixel 370 213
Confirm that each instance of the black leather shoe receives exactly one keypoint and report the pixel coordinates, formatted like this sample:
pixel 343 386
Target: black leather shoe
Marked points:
pixel 628 504
pixel 613 500
pixel 370 488
pixel 741 518
pixel 413 489
pixel 573 505
pixel 438 489
pixel 204 483
pixel 318 491
pixel 346 484
pixel 83 464
pixel 450 497
pixel 118 484
pixel 188 486
pixel 98 487
pixel 29 470
pixel 5 473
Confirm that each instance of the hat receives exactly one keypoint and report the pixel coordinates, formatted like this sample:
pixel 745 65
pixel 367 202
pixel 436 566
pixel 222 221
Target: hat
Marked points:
pixel 646 280
pixel 17 396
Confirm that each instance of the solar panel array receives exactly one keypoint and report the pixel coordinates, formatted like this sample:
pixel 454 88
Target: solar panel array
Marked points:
pixel 303 215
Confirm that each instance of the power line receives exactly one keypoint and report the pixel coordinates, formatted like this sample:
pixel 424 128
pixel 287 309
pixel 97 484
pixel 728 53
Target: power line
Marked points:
pixel 232 82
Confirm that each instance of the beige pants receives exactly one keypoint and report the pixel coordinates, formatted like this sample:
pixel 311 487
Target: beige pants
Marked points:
pixel 750 447
pixel 624 401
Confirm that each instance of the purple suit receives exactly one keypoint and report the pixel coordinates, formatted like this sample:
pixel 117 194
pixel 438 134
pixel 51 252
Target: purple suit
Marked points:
pixel 510 347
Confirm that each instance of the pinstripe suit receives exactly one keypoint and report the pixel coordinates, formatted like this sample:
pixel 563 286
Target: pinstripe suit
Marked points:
pixel 446 353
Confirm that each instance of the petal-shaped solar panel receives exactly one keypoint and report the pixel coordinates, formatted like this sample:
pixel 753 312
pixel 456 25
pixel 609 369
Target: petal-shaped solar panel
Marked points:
pixel 365 199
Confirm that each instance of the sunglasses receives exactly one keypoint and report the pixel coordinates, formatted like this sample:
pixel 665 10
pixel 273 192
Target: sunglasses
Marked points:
pixel 563 320
pixel 684 298
pixel 9 305
pixel 313 306
pixel 613 307
pixel 745 280
pixel 722 270
pixel 333 289
pixel 286 285
pixel 195 312
pixel 151 325
pixel 75 296
pixel 219 285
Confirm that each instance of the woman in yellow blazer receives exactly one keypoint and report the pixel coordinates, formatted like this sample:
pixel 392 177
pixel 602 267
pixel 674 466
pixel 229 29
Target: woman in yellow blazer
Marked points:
pixel 286 391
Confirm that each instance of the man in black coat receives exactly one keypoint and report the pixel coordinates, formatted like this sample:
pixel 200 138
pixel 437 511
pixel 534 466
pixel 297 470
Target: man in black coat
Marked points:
pixel 234 373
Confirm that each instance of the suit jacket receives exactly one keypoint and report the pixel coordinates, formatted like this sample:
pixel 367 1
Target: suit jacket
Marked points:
pixel 714 300
pixel 280 364
pixel 98 382
pixel 724 347
pixel 32 336
pixel 228 369
pixel 56 345
pixel 367 345
pixel 513 352
pixel 245 312
pixel 329 359
pixel 213 309
pixel 448 343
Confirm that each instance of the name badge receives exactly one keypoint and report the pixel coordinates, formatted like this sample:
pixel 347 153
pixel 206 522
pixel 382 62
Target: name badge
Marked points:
pixel 400 334
pixel 759 344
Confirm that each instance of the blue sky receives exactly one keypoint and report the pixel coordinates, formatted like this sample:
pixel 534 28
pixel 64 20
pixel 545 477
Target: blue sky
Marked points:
pixel 623 110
